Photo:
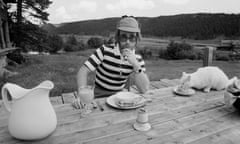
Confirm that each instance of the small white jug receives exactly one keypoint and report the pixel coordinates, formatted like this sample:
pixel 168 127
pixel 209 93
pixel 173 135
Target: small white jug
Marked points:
pixel 31 113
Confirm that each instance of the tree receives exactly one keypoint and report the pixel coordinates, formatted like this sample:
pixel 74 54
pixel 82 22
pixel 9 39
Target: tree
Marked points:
pixel 73 45
pixel 71 40
pixel 32 9
pixel 95 42
pixel 179 50
pixel 28 12
pixel 23 32
pixel 55 43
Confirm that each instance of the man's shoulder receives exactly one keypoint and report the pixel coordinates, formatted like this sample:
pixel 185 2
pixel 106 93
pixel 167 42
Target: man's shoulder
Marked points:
pixel 109 47
pixel 106 48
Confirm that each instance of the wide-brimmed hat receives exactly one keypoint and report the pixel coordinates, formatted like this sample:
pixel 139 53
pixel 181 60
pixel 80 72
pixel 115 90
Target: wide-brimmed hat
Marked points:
pixel 128 24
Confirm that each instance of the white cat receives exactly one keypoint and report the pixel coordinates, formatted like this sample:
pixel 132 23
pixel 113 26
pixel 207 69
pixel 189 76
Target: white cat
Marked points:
pixel 207 78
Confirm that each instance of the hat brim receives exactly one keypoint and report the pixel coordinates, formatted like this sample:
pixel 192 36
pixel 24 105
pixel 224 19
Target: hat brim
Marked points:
pixel 128 29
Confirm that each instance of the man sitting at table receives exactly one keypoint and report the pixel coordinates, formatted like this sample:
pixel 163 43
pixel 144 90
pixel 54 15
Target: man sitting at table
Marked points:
pixel 113 65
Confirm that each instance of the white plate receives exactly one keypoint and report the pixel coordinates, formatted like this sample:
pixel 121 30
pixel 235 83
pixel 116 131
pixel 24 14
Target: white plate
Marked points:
pixel 112 102
pixel 189 92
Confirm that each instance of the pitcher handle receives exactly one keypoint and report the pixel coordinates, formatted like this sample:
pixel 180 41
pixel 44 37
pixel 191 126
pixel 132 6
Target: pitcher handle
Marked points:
pixel 4 97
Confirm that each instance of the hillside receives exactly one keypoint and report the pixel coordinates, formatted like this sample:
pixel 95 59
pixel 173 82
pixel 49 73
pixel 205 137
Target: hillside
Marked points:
pixel 196 26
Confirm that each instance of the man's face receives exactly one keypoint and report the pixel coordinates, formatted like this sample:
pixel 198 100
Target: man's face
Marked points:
pixel 127 40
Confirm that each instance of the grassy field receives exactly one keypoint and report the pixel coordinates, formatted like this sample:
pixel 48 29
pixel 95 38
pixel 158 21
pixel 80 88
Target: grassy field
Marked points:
pixel 62 70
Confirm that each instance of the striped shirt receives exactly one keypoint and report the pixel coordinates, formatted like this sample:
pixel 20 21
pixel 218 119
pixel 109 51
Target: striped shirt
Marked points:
pixel 111 69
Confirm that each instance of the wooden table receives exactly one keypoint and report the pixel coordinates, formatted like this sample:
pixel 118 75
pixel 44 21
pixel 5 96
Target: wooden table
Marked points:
pixel 199 119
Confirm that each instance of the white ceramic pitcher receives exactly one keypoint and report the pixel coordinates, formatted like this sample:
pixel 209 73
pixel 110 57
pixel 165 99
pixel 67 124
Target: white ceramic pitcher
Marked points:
pixel 31 113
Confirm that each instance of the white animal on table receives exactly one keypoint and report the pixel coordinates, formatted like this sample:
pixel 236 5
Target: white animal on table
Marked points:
pixel 207 78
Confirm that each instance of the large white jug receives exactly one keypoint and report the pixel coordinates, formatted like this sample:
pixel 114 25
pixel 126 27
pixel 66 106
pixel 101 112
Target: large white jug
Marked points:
pixel 31 113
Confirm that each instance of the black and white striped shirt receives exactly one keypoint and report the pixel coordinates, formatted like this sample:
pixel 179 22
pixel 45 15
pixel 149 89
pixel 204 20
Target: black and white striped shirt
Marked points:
pixel 112 70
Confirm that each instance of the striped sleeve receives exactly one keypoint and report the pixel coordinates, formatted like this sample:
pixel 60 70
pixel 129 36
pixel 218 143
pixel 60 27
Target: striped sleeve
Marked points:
pixel 95 59
pixel 141 62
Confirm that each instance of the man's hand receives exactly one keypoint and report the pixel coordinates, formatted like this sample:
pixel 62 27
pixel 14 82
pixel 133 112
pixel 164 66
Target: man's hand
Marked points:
pixel 130 56
pixel 77 103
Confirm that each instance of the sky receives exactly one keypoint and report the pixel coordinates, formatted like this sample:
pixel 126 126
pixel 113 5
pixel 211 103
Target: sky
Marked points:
pixel 78 10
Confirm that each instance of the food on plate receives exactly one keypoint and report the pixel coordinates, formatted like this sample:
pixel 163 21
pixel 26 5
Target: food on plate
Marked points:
pixel 128 99
pixel 182 88
pixel 130 103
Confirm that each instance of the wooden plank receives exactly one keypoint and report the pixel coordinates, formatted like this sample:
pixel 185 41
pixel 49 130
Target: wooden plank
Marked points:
pixel 177 130
pixel 207 128
pixel 227 136
pixel 151 87
pixel 158 84
pixel 68 97
pixel 6 31
pixel 172 82
pixel 161 125
pixel 56 100
pixel 3 110
pixel 2 40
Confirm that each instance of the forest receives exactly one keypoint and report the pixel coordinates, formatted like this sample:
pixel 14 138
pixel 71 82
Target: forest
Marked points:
pixel 194 26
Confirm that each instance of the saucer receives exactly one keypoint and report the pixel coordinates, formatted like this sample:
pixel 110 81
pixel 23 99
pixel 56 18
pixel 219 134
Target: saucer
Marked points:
pixel 142 127
pixel 187 92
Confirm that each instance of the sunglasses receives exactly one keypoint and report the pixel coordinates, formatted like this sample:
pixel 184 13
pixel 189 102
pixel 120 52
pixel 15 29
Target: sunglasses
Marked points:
pixel 131 38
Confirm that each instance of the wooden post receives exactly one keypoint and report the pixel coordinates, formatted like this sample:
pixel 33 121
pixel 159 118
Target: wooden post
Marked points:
pixel 2 41
pixel 3 71
pixel 208 56
pixel 6 31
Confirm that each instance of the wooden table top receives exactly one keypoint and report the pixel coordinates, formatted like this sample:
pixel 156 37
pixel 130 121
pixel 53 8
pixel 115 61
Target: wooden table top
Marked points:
pixel 198 119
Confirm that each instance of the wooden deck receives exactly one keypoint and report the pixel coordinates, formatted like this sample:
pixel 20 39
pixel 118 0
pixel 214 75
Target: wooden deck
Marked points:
pixel 199 119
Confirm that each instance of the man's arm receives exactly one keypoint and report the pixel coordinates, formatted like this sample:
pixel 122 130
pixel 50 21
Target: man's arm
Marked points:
pixel 140 78
pixel 141 81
